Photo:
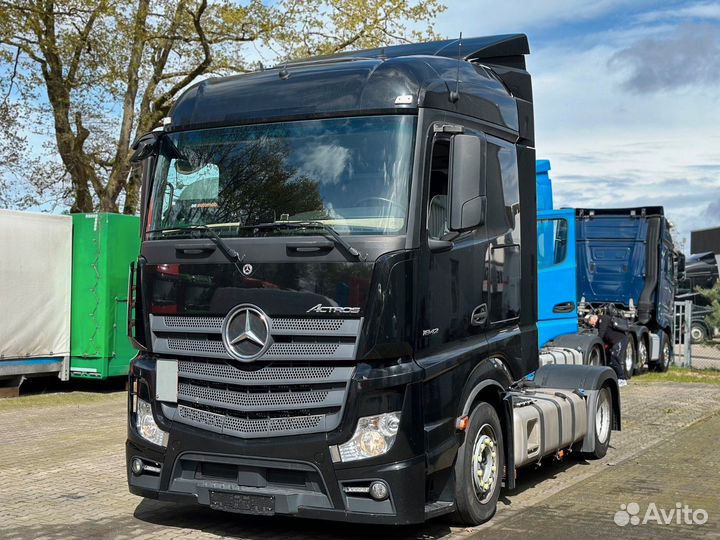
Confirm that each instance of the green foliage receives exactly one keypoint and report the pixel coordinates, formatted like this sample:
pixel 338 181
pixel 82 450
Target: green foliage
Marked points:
pixel 94 75
pixel 713 296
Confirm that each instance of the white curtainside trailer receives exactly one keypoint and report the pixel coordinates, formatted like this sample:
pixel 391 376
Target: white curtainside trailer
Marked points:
pixel 35 287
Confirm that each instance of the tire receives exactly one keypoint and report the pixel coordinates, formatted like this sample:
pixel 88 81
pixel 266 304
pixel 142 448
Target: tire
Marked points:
pixel 698 333
pixel 663 362
pixel 630 358
pixel 642 353
pixel 477 485
pixel 595 358
pixel 603 423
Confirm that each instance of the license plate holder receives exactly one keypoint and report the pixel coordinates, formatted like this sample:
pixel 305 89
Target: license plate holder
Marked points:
pixel 242 503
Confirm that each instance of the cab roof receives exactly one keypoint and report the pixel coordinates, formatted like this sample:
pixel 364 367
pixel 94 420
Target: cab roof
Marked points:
pixel 493 86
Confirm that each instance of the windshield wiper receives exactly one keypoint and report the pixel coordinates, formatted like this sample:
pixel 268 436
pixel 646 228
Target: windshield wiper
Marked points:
pixel 229 253
pixel 329 231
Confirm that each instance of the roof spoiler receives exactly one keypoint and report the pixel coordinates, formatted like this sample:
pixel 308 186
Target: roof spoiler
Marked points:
pixel 503 54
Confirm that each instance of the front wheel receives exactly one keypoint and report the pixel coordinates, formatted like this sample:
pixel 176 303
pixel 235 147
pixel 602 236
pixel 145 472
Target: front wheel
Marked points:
pixel 663 363
pixel 479 467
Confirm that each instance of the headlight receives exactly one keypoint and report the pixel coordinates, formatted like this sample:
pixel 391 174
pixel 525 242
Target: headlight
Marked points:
pixel 146 426
pixel 374 436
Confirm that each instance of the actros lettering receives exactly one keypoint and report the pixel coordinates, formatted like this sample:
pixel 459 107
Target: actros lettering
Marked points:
pixel 333 309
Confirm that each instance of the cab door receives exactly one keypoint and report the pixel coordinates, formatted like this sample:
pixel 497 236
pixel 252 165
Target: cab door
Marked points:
pixel 557 285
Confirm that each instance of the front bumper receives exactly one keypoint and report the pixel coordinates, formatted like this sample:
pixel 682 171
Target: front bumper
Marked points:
pixel 296 471
pixel 305 483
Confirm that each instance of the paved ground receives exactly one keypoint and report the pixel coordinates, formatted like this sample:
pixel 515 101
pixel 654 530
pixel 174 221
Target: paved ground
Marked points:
pixel 62 471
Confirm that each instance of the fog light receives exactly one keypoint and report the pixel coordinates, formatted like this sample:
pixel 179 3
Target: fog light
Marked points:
pixel 379 491
pixel 137 466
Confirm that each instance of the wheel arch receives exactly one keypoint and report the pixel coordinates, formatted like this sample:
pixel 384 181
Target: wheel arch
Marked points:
pixel 488 383
pixel 582 342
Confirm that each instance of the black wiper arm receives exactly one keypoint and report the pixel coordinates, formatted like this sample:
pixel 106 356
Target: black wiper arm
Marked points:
pixel 229 253
pixel 329 231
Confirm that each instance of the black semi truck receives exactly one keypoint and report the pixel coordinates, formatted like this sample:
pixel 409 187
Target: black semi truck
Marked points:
pixel 336 297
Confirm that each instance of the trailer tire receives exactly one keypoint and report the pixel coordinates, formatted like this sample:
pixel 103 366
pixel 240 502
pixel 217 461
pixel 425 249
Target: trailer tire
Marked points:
pixel 603 423
pixel 479 467
pixel 630 358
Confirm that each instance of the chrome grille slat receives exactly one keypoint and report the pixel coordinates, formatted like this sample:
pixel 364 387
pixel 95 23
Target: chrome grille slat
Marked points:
pixel 260 401
pixel 282 326
pixel 251 427
pixel 295 350
pixel 221 372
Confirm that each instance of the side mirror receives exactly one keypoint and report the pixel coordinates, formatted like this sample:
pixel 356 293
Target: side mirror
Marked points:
pixel 468 202
pixel 145 146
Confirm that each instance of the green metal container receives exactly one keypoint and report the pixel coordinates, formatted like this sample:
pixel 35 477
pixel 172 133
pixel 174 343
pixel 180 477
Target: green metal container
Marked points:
pixel 103 247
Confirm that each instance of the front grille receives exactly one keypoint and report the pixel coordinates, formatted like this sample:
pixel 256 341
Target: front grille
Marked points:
pixel 292 338
pixel 287 396
pixel 271 401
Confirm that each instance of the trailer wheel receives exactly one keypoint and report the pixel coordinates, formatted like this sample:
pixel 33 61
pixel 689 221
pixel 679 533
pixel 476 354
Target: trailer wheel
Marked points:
pixel 479 468
pixel 663 362
pixel 629 364
pixel 603 423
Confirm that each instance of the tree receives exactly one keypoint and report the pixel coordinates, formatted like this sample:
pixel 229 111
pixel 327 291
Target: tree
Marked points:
pixel 97 74
pixel 713 296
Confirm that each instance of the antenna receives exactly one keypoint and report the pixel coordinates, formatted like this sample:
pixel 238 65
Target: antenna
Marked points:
pixel 455 94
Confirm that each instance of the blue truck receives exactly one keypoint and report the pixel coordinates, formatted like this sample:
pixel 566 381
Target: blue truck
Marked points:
pixel 589 259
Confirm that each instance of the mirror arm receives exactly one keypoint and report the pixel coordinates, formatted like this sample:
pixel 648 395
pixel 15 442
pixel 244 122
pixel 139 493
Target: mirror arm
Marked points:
pixel 439 246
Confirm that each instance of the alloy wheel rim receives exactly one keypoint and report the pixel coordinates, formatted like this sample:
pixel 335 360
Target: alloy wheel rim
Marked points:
pixel 485 463
pixel 602 418
pixel 629 359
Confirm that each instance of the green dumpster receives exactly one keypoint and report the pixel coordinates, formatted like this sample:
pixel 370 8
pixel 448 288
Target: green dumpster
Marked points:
pixel 103 247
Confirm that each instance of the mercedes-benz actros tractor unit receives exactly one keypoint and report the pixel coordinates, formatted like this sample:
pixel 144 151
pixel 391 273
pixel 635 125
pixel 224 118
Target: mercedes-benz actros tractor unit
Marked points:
pixel 336 297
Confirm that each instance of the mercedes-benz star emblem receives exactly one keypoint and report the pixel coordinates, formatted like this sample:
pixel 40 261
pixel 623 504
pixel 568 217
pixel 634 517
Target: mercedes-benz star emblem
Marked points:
pixel 246 332
pixel 247 269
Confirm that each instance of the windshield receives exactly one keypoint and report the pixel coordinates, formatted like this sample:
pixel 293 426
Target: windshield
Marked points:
pixel 352 174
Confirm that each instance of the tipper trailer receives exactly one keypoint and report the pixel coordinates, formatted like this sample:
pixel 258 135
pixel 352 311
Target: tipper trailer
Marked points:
pixel 335 302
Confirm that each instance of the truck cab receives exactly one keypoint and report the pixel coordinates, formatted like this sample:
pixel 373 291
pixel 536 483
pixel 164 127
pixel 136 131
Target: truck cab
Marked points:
pixel 335 302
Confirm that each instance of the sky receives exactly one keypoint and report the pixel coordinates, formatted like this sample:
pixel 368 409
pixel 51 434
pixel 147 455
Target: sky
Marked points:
pixel 627 98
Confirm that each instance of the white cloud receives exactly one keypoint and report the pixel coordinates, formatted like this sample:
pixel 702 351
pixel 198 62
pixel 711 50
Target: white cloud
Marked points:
pixel 325 162
pixel 701 10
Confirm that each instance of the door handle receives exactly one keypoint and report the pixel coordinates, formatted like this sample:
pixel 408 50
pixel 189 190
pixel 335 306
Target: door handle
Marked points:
pixel 564 307
pixel 479 315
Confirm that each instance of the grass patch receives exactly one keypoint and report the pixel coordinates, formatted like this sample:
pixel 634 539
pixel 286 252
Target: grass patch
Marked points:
pixel 53 400
pixel 681 375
